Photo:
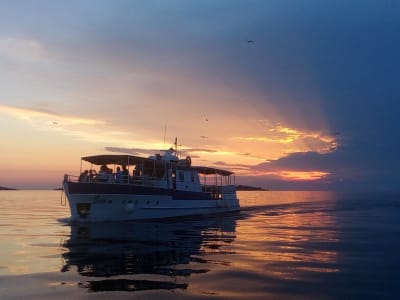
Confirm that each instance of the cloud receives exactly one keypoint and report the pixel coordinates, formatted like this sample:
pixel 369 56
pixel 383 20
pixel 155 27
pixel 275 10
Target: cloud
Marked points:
pixel 132 151
pixel 355 166
pixel 189 150
pixel 23 50
pixel 301 161
pixel 47 117
pixel 88 129
pixel 316 141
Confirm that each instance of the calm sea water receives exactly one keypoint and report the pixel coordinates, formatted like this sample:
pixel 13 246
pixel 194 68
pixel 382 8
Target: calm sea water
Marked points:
pixel 282 245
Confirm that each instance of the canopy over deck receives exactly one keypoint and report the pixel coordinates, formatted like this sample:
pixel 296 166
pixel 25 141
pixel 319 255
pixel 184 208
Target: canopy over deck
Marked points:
pixel 210 171
pixel 115 159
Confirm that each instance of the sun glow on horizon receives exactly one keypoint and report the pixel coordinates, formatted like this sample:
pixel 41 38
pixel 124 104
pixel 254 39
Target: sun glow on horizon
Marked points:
pixel 286 175
pixel 303 175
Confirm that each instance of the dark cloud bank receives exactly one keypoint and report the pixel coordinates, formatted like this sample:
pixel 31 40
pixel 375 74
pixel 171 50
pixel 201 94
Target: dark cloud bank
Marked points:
pixel 347 52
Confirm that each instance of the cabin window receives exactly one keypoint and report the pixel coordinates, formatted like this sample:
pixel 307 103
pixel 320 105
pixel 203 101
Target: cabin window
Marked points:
pixel 181 176
pixel 192 176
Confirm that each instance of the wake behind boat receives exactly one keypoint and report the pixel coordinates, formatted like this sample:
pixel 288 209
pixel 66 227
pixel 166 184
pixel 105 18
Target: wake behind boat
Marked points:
pixel 158 186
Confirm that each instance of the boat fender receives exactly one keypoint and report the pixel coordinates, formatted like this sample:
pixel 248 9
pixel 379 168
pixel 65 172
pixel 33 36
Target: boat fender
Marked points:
pixel 188 161
pixel 129 207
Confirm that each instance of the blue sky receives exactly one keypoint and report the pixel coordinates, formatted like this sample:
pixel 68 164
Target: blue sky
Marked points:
pixel 311 104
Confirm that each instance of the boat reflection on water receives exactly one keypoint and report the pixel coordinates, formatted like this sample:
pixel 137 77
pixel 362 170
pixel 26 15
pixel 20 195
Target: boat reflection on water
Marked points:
pixel 133 256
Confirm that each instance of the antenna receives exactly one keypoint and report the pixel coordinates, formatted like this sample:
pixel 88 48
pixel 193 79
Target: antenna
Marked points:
pixel 165 132
pixel 176 145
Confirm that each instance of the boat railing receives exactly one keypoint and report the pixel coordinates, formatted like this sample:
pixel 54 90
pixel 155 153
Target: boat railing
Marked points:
pixel 214 190
pixel 111 179
pixel 73 178
pixel 210 188
pixel 146 181
pixel 220 191
pixel 218 188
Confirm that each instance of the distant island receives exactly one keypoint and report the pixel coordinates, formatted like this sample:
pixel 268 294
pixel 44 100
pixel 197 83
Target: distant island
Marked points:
pixel 2 188
pixel 249 188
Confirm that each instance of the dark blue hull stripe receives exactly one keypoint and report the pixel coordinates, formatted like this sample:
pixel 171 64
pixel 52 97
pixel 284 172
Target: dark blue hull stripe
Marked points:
pixel 125 189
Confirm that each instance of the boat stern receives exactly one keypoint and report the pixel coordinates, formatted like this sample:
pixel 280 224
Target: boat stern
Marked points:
pixel 229 198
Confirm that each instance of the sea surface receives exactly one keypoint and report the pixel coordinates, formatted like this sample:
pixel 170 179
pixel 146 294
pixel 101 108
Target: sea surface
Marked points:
pixel 282 245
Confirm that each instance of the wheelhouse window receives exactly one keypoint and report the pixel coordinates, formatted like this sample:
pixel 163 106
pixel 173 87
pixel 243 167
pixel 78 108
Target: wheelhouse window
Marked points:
pixel 181 176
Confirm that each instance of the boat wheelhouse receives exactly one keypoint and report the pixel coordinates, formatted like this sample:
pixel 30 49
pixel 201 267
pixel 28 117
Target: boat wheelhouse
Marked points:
pixel 131 187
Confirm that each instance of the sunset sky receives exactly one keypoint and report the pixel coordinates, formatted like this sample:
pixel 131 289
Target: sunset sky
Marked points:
pixel 287 94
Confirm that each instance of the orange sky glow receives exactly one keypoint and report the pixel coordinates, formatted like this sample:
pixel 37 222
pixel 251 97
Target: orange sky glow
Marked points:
pixel 49 144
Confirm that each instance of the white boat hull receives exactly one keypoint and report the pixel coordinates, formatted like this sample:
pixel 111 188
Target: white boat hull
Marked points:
pixel 126 207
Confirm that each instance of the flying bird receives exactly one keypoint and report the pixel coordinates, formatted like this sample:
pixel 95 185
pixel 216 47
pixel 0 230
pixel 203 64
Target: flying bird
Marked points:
pixel 203 137
pixel 250 42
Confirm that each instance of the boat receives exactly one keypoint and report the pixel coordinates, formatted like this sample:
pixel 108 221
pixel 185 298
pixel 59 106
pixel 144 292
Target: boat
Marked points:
pixel 163 185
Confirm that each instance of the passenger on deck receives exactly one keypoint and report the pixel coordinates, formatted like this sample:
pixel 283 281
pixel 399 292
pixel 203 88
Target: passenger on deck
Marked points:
pixel 119 176
pixel 92 175
pixel 105 174
pixel 84 177
pixel 125 174
pixel 137 171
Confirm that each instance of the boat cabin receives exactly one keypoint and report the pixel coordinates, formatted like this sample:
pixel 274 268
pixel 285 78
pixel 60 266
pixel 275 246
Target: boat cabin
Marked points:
pixel 162 171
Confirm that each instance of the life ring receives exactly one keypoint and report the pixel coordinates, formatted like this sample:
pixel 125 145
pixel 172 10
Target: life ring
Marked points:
pixel 188 161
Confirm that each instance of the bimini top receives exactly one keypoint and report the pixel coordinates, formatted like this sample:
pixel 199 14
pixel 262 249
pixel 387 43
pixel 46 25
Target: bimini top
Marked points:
pixel 121 159
pixel 115 159
pixel 210 171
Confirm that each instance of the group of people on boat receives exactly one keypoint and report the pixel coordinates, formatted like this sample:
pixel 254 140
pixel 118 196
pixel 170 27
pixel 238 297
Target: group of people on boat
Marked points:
pixel 105 174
